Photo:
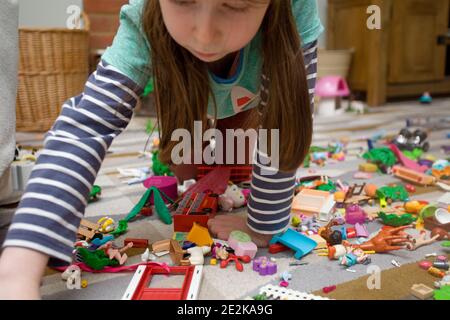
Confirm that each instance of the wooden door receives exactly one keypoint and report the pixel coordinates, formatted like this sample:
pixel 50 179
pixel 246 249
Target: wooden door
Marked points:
pixel 414 53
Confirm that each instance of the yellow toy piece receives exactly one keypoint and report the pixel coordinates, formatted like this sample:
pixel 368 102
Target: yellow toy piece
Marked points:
pixel 107 225
pixel 200 236
pixel 213 262
pixel 296 221
pixel 414 207
pixel 84 284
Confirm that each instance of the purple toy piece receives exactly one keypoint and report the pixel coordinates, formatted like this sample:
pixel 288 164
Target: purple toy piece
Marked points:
pixel 264 266
pixel 361 230
pixel 355 214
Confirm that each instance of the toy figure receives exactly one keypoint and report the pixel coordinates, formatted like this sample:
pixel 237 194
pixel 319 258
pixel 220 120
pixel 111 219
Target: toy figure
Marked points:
pixel 421 240
pixel 388 239
pixel 118 254
pixel 232 198
pixel 354 256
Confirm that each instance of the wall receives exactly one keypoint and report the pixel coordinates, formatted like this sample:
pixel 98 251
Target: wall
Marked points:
pixel 45 13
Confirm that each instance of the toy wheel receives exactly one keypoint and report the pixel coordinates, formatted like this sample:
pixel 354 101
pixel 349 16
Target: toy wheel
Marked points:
pixel 426 147
pixel 421 134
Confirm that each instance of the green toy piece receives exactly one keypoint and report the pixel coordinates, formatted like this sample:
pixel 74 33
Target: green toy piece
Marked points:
pixel 382 155
pixel 330 186
pixel 427 211
pixel 413 155
pixel 97 259
pixel 158 168
pixel 95 192
pixel 442 294
pixel 260 297
pixel 446 244
pixel 394 220
pixel 149 88
pixel 397 193
pixel 160 206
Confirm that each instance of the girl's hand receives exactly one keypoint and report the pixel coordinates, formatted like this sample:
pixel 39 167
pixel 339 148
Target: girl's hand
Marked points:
pixel 222 225
pixel 21 272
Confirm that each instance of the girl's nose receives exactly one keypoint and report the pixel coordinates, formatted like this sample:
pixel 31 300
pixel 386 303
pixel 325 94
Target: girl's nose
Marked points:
pixel 206 31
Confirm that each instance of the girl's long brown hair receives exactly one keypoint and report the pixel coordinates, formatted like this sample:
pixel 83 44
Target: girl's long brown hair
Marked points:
pixel 182 88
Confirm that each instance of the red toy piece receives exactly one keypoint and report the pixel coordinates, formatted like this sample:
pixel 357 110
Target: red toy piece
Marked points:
pixel 232 257
pixel 277 247
pixel 238 174
pixel 195 208
pixel 329 289
pixel 140 289
pixel 137 243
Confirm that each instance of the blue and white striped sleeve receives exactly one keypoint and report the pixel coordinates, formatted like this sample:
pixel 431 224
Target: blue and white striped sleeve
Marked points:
pixel 270 201
pixel 56 195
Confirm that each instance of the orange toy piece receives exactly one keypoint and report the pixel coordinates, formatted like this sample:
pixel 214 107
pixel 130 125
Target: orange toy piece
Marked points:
pixel 414 206
pixel 388 239
pixel 370 190
pixel 200 236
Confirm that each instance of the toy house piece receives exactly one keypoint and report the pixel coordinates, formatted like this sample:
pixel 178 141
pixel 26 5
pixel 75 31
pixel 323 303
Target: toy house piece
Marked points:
pixel 88 229
pixel 313 202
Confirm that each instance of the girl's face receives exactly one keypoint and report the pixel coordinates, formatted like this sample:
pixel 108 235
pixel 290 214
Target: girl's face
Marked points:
pixel 212 29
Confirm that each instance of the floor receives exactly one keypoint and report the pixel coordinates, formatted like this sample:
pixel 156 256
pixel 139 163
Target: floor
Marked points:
pixel 118 198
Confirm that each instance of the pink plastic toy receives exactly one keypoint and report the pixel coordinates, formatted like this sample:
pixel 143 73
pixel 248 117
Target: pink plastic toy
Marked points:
pixel 166 184
pixel 355 214
pixel 332 87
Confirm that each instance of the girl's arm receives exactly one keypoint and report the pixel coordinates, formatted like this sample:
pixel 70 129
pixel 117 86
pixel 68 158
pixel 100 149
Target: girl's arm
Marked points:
pixel 270 201
pixel 46 222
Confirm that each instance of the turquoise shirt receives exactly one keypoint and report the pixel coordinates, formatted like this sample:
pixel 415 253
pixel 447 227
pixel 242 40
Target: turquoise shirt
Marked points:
pixel 130 53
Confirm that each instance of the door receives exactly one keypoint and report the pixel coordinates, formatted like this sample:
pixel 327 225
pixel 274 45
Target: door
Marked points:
pixel 415 54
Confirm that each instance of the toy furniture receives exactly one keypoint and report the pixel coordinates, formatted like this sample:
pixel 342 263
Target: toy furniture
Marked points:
pixel 195 207
pixel 388 62
pixel 422 291
pixel 405 161
pixel 413 176
pixel 139 287
pixel 331 89
pixel 87 229
pixel 166 184
pixel 242 244
pixel 313 202
pixel 301 244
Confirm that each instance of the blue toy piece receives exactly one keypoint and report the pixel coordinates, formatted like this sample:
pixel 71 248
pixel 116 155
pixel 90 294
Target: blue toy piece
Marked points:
pixel 302 245
pixel 426 98
pixel 99 242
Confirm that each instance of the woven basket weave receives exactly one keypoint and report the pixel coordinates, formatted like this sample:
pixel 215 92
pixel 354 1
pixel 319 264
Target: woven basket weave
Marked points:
pixel 53 67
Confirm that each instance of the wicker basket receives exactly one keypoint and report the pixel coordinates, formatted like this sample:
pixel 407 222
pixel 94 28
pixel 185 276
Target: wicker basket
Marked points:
pixel 53 67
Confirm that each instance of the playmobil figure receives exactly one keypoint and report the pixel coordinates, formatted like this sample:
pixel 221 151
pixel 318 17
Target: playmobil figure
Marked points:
pixel 118 254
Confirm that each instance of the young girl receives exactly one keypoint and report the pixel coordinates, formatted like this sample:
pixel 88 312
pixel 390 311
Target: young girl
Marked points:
pixel 236 63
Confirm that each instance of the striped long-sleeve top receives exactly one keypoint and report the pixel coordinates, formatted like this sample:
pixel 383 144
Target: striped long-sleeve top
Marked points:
pixel 56 195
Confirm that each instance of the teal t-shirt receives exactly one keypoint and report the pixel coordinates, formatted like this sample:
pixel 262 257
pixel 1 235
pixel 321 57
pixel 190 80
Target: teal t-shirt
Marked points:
pixel 130 53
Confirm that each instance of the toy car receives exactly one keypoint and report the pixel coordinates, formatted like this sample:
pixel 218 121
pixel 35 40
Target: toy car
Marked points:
pixel 407 140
